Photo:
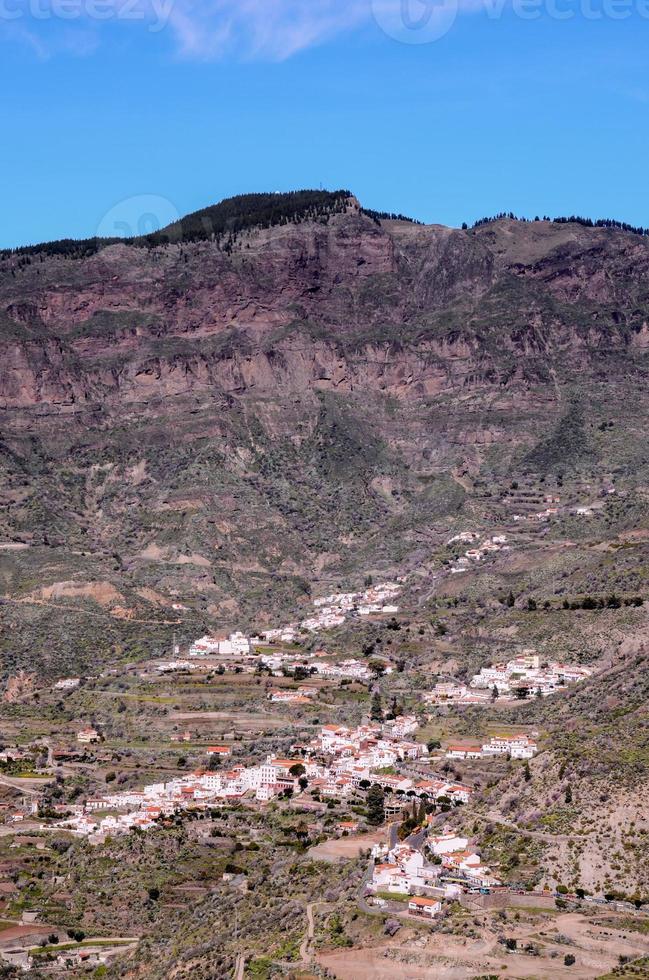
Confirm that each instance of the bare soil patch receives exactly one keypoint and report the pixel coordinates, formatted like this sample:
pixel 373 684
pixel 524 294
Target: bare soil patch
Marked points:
pixel 345 848
pixel 595 945
pixel 103 593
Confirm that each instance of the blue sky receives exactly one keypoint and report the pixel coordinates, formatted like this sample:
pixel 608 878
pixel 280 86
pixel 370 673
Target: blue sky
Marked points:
pixel 120 123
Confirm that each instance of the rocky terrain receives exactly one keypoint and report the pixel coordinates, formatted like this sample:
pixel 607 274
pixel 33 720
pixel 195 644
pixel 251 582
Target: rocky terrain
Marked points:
pixel 284 396
pixel 221 418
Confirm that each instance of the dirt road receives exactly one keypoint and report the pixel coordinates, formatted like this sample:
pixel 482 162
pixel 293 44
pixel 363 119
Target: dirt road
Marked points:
pixel 61 606
pixel 240 966
pixel 537 834
pixel 32 787
pixel 308 936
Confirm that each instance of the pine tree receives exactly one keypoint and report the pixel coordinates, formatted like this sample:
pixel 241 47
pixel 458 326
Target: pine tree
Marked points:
pixel 376 712
pixel 375 805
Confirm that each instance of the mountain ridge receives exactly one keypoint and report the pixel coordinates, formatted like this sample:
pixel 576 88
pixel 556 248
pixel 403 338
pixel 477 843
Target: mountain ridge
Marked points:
pixel 265 209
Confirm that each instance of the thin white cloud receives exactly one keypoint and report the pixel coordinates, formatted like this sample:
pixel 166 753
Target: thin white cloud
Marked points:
pixel 217 29
pixel 203 29
pixel 261 29
pixel 277 29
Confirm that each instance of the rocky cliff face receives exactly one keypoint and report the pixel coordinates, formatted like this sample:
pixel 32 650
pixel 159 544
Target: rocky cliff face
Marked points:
pixel 342 302
pixel 219 422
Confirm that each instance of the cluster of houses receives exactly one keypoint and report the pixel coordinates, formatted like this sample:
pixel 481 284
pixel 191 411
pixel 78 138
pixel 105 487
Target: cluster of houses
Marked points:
pixel 172 666
pixel 329 611
pixel 554 510
pixel 206 655
pixel 527 674
pixel 479 551
pixel 375 599
pixel 455 692
pixel 519 746
pixel 405 870
pixel 235 644
pixel 23 953
pixel 117 813
pixel 333 610
pixel 337 763
pixel 350 669
pixel 356 758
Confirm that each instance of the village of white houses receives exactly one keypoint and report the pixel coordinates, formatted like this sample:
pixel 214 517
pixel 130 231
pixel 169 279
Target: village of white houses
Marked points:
pixel 403 782
pixel 324 531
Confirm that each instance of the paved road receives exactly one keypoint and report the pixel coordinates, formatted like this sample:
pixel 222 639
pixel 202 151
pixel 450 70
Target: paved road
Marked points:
pixel 417 839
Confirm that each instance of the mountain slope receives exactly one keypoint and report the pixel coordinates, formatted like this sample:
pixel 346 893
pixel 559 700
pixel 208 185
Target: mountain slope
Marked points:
pixel 306 393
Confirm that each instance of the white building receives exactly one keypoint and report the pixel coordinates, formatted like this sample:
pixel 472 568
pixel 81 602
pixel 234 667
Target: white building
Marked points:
pixel 67 684
pixel 462 751
pixel 88 736
pixel 428 907
pixel 447 843
pixel 516 746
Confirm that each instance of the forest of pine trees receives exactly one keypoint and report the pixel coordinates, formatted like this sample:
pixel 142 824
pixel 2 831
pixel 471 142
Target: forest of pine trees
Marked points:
pixel 379 216
pixel 221 222
pixel 573 219
pixel 236 214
